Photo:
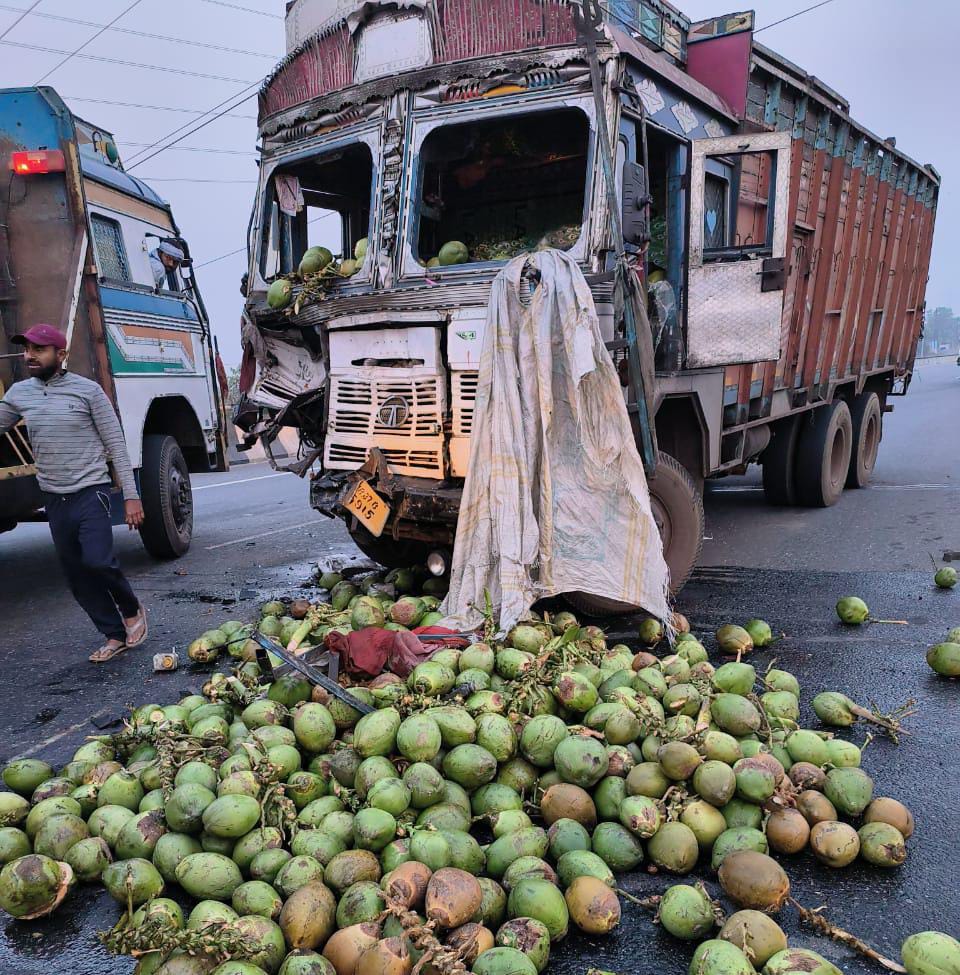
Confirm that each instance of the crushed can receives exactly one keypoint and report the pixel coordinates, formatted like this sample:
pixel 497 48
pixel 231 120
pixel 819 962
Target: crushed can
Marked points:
pixel 170 660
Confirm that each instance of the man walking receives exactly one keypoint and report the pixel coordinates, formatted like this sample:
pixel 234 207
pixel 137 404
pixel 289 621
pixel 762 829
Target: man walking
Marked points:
pixel 75 435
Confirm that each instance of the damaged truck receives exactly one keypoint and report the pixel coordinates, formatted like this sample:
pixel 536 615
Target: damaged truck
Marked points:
pixel 780 250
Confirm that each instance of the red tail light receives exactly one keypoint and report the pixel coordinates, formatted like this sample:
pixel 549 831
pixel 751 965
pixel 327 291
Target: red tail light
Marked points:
pixel 38 162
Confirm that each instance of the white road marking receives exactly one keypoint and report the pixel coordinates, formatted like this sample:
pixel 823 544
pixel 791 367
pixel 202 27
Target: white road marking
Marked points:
pixel 751 489
pixel 242 480
pixel 62 734
pixel 275 531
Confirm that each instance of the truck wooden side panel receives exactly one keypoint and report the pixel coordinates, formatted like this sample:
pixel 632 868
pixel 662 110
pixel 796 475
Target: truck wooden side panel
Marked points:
pixel 862 219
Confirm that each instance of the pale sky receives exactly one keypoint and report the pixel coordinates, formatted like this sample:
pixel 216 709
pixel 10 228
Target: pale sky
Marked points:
pixel 890 59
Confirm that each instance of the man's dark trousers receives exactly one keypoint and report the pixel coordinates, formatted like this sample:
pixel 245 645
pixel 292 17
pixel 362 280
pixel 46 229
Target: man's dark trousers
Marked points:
pixel 83 535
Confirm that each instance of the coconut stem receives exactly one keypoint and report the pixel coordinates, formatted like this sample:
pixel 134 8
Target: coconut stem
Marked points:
pixel 445 958
pixel 822 926
pixel 891 723
pixel 647 903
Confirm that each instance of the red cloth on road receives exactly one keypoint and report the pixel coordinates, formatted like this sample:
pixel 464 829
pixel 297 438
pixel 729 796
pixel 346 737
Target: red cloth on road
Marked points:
pixel 370 651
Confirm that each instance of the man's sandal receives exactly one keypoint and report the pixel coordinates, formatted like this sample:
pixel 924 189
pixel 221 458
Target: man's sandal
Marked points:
pixel 137 630
pixel 107 652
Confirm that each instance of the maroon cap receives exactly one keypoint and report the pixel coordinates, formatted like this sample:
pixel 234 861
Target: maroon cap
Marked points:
pixel 42 335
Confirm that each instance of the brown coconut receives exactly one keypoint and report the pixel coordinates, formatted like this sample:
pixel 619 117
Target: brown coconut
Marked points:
pixel 308 916
pixel 391 956
pixel 344 948
pixel 754 880
pixel 806 775
pixel 594 907
pixel 407 885
pixel 470 940
pixel 787 831
pixel 891 812
pixel 453 897
pixel 566 801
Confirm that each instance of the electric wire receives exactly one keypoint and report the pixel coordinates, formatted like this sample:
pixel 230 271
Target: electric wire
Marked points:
pixel 783 20
pixel 88 41
pixel 139 33
pixel 210 149
pixel 146 155
pixel 128 64
pixel 155 108
pixel 29 10
pixel 246 10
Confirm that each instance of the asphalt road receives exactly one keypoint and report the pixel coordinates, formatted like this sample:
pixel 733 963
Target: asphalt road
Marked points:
pixel 256 536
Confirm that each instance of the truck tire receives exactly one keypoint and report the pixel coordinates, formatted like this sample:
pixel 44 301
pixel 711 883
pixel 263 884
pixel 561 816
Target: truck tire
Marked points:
pixel 167 498
pixel 823 454
pixel 386 551
pixel 678 511
pixel 867 418
pixel 779 462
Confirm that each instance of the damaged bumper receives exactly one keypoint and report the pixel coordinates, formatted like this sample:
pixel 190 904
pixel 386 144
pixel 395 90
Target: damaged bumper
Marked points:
pixel 421 509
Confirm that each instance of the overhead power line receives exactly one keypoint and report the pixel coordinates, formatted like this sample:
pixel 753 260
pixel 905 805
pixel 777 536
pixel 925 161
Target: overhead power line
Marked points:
pixel 88 41
pixel 192 179
pixel 246 10
pixel 237 100
pixel 223 152
pixel 29 10
pixel 154 108
pixel 128 64
pixel 799 13
pixel 222 257
pixel 139 33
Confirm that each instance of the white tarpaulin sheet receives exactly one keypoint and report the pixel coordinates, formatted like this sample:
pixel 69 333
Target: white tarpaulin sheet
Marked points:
pixel 555 498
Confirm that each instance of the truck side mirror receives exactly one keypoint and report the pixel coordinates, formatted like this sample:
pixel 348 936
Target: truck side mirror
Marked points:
pixel 635 198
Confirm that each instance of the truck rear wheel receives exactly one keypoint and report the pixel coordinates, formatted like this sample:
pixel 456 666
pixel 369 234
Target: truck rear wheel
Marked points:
pixel 823 454
pixel 386 551
pixel 167 498
pixel 677 506
pixel 866 416
pixel 779 462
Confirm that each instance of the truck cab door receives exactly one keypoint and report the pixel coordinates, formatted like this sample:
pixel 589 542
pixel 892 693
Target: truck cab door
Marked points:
pixel 739 192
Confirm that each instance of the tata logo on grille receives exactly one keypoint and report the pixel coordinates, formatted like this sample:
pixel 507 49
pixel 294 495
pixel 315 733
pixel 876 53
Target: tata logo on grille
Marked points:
pixel 393 412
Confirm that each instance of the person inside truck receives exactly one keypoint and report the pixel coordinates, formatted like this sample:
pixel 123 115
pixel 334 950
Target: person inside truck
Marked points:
pixel 75 436
pixel 165 261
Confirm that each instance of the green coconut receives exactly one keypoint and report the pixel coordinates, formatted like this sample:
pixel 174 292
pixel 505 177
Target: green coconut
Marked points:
pixel 852 610
pixel 931 953
pixel 279 294
pixel 686 912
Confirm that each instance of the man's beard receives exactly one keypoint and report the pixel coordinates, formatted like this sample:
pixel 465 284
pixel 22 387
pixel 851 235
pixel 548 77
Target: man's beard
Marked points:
pixel 47 374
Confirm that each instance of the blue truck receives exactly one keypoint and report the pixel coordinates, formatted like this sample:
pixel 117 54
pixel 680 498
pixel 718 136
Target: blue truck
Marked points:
pixel 77 234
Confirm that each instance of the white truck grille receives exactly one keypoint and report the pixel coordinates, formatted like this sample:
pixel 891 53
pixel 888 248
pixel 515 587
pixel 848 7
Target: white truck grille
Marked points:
pixel 412 444
pixel 464 400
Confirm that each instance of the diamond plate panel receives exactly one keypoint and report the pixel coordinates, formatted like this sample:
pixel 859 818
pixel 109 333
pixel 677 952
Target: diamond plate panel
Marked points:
pixel 729 319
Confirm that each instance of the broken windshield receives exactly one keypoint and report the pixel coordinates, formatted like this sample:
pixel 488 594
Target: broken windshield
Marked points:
pixel 322 201
pixel 502 186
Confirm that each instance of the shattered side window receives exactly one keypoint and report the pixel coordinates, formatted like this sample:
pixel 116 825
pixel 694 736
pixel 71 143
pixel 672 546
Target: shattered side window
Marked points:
pixel 492 189
pixel 322 201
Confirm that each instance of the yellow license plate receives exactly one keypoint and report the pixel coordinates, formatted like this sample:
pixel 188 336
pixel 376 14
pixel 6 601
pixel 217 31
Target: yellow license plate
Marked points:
pixel 368 508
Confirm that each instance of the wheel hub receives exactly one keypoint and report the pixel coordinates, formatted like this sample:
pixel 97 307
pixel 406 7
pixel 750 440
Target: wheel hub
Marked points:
pixel 661 518
pixel 181 498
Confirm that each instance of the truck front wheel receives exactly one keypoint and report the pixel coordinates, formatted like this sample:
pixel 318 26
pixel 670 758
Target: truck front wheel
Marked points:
pixel 677 506
pixel 167 498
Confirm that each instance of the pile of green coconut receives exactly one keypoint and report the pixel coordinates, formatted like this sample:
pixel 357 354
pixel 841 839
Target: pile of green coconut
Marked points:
pixel 316 274
pixel 487 805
